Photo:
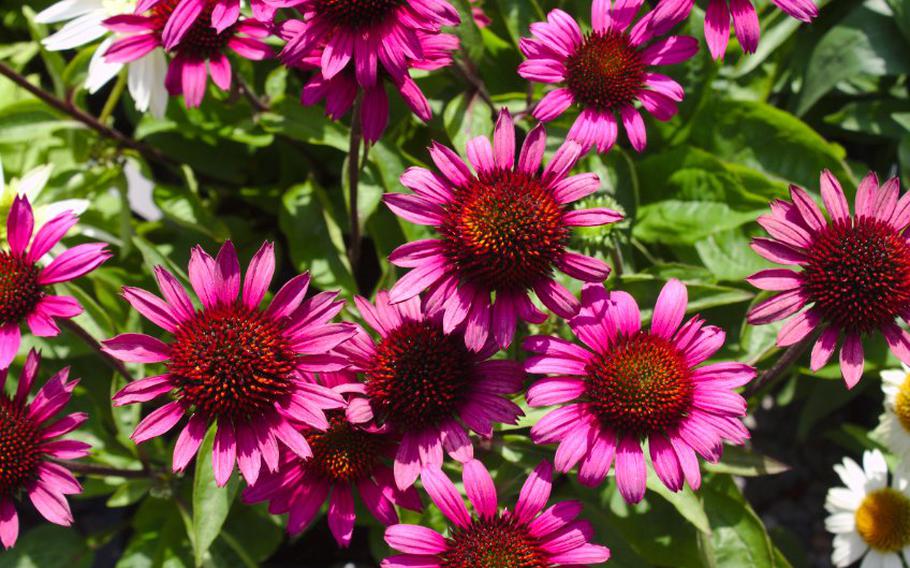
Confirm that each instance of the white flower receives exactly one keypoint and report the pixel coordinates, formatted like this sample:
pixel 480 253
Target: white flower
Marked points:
pixel 30 185
pixel 84 25
pixel 894 425
pixel 869 518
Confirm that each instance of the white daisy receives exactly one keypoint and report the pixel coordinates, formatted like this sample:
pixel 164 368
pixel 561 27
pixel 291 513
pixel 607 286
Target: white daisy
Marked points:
pixel 894 425
pixel 869 518
pixel 30 185
pixel 84 19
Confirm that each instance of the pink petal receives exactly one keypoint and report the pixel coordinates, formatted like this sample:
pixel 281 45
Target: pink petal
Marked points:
pixel 480 489
pixel 158 422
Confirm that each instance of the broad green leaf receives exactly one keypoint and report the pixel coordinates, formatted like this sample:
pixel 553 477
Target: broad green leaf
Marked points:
pixel 48 546
pixel 211 504
pixel 305 124
pixel 315 241
pixel 745 463
pixel 676 222
pixel 728 256
pixel 866 42
pixel 186 209
pixel 767 139
pixel 738 537
pixel 465 117
pixel 686 502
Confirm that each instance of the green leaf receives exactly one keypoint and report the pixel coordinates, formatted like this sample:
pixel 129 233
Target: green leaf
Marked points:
pixel 728 256
pixel 745 463
pixel 867 42
pixel 186 209
pixel 314 239
pixel 48 546
pixel 211 504
pixel 687 503
pixel 738 537
pixel 766 139
pixel 675 222
pixel 468 32
pixel 129 492
pixel 304 123
pixel 466 117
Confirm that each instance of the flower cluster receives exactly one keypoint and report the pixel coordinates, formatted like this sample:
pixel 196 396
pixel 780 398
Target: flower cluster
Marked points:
pixel 312 410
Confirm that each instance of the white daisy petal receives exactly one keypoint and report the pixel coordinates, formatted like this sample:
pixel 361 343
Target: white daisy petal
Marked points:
pixel 840 523
pixel 80 31
pixel 158 69
pixel 841 499
pixel 34 181
pixel 852 475
pixel 67 10
pixel 848 548
pixel 77 206
pixel 873 560
pixel 892 561
pixel 876 470
pixel 100 72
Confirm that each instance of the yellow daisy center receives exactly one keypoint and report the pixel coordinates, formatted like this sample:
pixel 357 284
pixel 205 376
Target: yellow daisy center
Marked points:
pixel 883 520
pixel 902 403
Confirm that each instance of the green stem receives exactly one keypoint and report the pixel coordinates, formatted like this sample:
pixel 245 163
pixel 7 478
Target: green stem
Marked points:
pixel 113 98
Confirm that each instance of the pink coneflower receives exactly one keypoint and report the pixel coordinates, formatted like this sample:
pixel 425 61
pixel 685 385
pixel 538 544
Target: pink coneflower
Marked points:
pixel 182 16
pixel 340 91
pixel 606 71
pixel 24 294
pixel 366 34
pixel 347 459
pixel 423 384
pixel 28 443
pixel 528 537
pixel 745 22
pixel 480 17
pixel 232 363
pixel 503 231
pixel 632 386
pixel 201 45
pixel 855 274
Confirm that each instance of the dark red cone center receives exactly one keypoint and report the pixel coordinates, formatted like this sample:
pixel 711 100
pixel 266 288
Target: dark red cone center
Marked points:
pixel 641 385
pixel 231 361
pixel 493 543
pixel 357 14
pixel 19 448
pixel 343 453
pixel 19 288
pixel 201 41
pixel 419 375
pixel 858 274
pixel 606 72
pixel 505 231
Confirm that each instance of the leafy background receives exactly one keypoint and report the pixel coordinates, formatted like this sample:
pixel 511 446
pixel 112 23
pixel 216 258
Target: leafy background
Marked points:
pixel 253 164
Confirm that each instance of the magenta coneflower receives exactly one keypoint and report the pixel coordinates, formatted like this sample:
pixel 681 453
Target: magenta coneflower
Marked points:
pixel 233 364
pixel 347 459
pixel 340 91
pixel 607 70
pixel 201 45
pixel 503 231
pixel 632 386
pixel 528 536
pixel 745 22
pixel 423 384
pixel 182 16
pixel 366 34
pixel 28 444
pixel 24 293
pixel 855 274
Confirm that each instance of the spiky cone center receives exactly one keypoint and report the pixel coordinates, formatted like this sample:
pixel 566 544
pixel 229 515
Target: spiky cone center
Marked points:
pixel 858 274
pixel 201 41
pixel 641 385
pixel 343 453
pixel 500 542
pixel 19 288
pixel 419 376
pixel 20 441
pixel 883 520
pixel 505 231
pixel 606 72
pixel 231 362
pixel 357 14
